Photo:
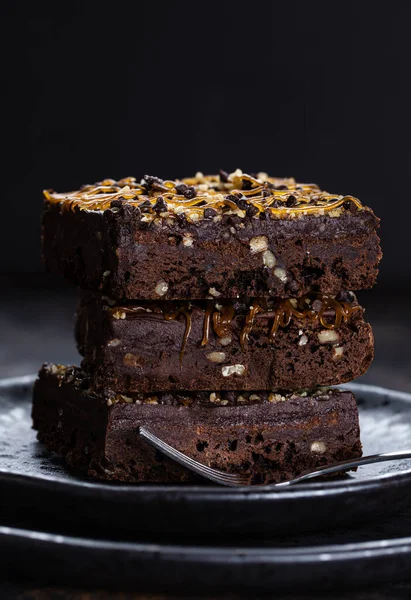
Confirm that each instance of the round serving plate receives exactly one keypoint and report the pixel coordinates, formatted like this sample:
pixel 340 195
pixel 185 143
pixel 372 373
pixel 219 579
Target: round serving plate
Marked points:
pixel 36 487
pixel 103 564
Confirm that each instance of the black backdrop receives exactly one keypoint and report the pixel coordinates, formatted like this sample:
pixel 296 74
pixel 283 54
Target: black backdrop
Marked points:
pixel 316 90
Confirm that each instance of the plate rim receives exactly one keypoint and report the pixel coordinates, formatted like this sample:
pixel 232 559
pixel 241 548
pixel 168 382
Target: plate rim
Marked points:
pixel 212 492
pixel 188 552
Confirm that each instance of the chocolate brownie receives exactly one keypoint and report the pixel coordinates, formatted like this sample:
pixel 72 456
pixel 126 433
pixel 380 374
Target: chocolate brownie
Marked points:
pixel 270 437
pixel 215 345
pixel 226 236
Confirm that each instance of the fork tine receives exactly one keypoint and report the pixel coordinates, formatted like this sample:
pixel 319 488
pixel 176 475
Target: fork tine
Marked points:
pixel 186 460
pixel 228 479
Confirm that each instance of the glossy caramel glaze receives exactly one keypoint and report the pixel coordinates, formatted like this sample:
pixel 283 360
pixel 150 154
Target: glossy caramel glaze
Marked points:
pixel 207 197
pixel 317 308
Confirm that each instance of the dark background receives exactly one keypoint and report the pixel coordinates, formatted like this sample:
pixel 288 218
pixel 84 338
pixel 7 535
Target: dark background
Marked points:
pixel 316 90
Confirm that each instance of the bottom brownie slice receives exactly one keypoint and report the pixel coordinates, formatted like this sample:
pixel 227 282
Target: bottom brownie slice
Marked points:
pixel 269 436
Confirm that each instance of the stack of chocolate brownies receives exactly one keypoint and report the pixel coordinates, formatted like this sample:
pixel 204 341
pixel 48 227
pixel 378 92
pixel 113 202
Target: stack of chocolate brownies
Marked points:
pixel 215 311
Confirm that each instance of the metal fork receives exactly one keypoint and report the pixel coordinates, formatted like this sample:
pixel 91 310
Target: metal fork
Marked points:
pixel 235 480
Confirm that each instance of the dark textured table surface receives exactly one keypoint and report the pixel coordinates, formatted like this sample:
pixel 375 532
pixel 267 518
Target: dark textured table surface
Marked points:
pixel 36 325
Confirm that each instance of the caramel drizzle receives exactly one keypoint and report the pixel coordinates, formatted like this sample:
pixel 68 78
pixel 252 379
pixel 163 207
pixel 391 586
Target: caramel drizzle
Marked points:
pixel 281 316
pixel 206 326
pixel 172 316
pixel 249 323
pixel 211 192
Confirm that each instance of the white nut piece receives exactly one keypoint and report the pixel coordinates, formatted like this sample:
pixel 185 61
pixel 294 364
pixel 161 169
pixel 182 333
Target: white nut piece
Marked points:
pixel 119 314
pixel 188 240
pixel 281 274
pixel 225 341
pixel 327 336
pixel 276 398
pixel 213 292
pixel 161 288
pixel 233 370
pixel 303 340
pixel 318 447
pixel 213 397
pixel 269 259
pixel 216 357
pixel 258 244
pixel 338 352
pixel 114 343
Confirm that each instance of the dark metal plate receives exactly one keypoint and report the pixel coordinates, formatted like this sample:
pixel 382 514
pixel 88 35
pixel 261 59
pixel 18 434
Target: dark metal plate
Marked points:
pixel 35 486
pixel 102 564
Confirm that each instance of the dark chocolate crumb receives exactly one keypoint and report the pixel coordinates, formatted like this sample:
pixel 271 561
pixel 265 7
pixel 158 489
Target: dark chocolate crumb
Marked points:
pixel 247 185
pixel 190 192
pixel 149 181
pixel 240 200
pixel 291 201
pixel 252 211
pixel 181 188
pixel 348 205
pixel 182 220
pixel 146 206
pixel 223 176
pixel 210 213
pixel 118 203
pixel 345 296
pixel 160 206
pixel 281 187
pixel 263 215
pixel 266 193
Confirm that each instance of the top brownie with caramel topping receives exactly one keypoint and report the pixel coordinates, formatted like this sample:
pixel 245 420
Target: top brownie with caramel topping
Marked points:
pixel 228 235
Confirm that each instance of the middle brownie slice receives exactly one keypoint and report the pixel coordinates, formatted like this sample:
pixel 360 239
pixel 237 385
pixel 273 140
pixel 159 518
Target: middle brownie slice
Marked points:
pixel 223 345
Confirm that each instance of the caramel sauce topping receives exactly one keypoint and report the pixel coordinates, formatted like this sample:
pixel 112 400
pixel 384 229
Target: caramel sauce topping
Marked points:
pixel 318 308
pixel 235 193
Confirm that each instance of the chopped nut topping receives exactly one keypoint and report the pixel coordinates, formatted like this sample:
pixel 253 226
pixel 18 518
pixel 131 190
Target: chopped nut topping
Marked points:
pixel 233 370
pixel 318 447
pixel 216 357
pixel 161 288
pixel 213 292
pixel 258 244
pixel 276 398
pixel 327 336
pixel 281 274
pixel 269 259
pixel 188 240
pixel 254 196
pixel 119 314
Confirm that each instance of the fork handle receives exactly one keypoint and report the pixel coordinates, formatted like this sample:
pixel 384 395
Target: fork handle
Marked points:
pixel 345 466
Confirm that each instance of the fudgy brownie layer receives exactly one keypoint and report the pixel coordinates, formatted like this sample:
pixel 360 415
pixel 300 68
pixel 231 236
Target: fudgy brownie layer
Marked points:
pixel 270 441
pixel 245 247
pixel 223 345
